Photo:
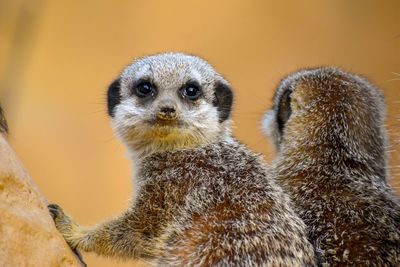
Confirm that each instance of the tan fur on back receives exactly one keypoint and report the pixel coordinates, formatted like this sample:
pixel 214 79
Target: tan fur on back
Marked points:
pixel 332 161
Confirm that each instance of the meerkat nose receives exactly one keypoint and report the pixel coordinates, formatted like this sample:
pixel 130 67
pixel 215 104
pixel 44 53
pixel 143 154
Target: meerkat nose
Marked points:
pixel 167 113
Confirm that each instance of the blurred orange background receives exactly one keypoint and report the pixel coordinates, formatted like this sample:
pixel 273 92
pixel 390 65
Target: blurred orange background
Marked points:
pixel 58 57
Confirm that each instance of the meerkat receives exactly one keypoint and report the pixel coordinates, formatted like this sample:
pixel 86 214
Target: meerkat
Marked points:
pixel 201 197
pixel 328 128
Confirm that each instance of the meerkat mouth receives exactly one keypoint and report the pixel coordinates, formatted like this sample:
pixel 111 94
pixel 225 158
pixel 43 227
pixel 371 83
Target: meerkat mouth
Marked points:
pixel 165 123
pixel 163 128
pixel 161 123
pixel 165 132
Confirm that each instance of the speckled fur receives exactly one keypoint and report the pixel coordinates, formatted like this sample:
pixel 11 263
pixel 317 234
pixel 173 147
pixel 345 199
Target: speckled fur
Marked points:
pixel 332 156
pixel 202 198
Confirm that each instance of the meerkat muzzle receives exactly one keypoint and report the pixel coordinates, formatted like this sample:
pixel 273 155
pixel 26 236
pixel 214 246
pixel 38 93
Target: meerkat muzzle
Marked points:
pixel 167 113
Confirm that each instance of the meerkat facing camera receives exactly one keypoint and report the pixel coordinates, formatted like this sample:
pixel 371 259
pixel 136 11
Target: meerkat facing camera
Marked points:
pixel 202 198
pixel 328 127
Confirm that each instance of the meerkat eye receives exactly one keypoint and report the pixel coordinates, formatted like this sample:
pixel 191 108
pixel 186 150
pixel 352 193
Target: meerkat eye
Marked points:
pixel 191 91
pixel 144 89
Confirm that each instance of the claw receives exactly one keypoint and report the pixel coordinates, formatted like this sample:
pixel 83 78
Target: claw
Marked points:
pixel 54 210
pixel 79 255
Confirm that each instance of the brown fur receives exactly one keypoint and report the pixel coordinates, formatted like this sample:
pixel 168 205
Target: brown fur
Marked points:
pixel 212 205
pixel 332 161
pixel 202 198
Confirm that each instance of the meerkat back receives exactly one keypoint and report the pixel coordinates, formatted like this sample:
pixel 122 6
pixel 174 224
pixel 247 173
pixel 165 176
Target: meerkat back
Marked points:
pixel 201 198
pixel 328 127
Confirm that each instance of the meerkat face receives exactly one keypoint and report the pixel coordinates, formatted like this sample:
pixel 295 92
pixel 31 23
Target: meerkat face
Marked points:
pixel 169 100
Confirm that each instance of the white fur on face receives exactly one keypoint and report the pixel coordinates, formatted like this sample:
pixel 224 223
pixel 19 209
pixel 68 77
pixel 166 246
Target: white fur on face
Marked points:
pixel 197 122
pixel 197 126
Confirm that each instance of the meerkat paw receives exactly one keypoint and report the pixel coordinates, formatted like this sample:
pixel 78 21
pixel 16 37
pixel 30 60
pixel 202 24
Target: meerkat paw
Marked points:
pixel 67 227
pixel 63 222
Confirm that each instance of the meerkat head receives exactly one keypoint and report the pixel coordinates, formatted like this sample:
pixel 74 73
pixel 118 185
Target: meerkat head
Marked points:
pixel 169 101
pixel 327 107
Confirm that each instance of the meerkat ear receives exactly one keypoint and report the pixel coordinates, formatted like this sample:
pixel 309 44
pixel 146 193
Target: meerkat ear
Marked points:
pixel 283 110
pixel 113 96
pixel 223 100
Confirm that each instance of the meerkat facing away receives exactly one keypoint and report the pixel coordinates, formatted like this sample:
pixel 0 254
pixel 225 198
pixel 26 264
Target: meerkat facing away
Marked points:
pixel 328 127
pixel 202 198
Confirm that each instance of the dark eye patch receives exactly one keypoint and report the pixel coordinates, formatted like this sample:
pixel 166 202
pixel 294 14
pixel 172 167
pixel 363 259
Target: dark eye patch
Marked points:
pixel 223 100
pixel 191 91
pixel 144 88
pixel 113 96
pixel 284 110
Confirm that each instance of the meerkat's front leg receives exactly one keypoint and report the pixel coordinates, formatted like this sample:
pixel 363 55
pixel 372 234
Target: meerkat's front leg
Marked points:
pixel 112 238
